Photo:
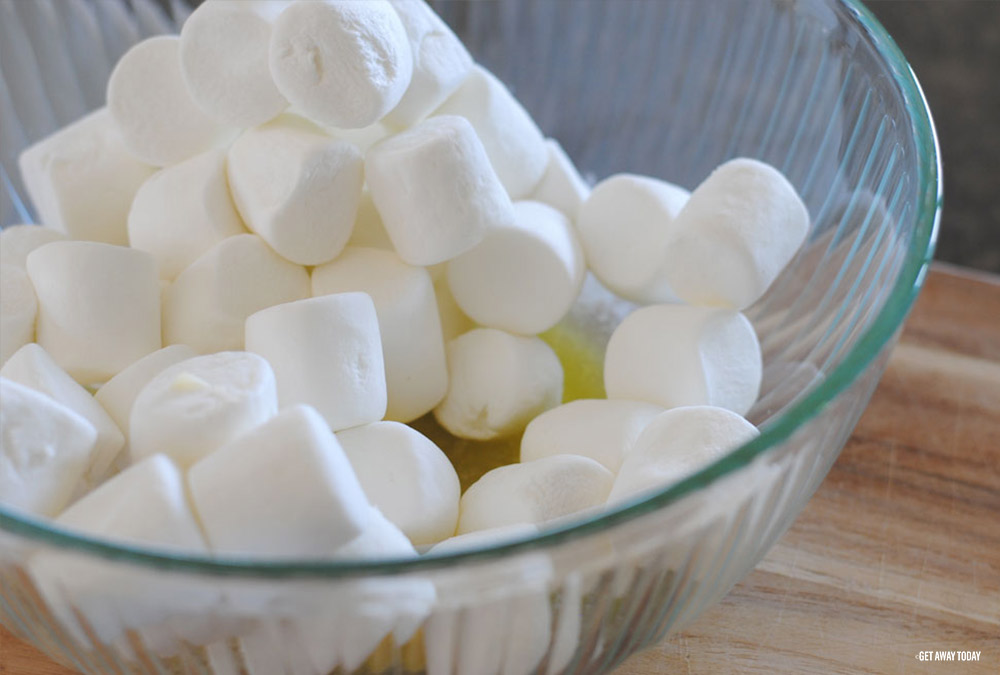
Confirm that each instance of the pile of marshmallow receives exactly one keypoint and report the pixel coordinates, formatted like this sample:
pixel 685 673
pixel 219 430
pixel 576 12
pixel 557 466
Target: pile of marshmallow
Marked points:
pixel 298 227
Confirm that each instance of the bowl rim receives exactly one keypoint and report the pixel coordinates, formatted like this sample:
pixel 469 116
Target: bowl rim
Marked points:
pixel 878 335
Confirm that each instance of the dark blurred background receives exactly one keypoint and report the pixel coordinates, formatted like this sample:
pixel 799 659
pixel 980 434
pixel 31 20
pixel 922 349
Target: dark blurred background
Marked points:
pixel 954 48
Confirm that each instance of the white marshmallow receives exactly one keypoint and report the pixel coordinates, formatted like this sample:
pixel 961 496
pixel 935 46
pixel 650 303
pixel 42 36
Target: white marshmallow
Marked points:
pixel 358 616
pixel 562 187
pixel 380 537
pixel 369 232
pixel 496 536
pixel 17 241
pixel 44 450
pixel 362 138
pixel 625 226
pixel 82 179
pixel 494 620
pixel 454 322
pixel 367 611
pixel 313 506
pixel 326 352
pixel 296 188
pixel 224 54
pixel 207 305
pixel 344 63
pixel 440 63
pixel 515 145
pixel 498 382
pixel 601 429
pixel 98 306
pixel 182 211
pixel 435 189
pixel 118 394
pixel 152 106
pixel 146 505
pixel 412 345
pixel 676 444
pixel 524 276
pixel 194 407
pixel 735 235
pixel 407 477
pixel 32 367
pixel 534 492
pixel 18 309
pixel 678 355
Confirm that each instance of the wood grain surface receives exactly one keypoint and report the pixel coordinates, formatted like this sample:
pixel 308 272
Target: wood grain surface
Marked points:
pixel 898 552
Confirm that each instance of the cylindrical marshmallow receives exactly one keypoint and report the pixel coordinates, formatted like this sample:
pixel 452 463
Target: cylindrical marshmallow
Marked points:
pixel 98 306
pixel 735 235
pixel 480 538
pixel 362 138
pixel 435 189
pixel 515 145
pixel 498 621
pixel 82 179
pixel 327 353
pixel 524 276
pixel 624 226
pixel 534 492
pixel 32 367
pixel 119 393
pixel 498 382
pixel 601 429
pixel 379 537
pixel 145 505
pixel 182 211
pixel 196 406
pixel 18 309
pixel 562 187
pixel 369 232
pixel 343 63
pixel 224 54
pixel 678 355
pixel 440 63
pixel 416 373
pixel 407 477
pixel 207 305
pixel 676 444
pixel 17 241
pixel 44 452
pixel 158 119
pixel 297 188
pixel 454 321
pixel 357 616
pixel 284 490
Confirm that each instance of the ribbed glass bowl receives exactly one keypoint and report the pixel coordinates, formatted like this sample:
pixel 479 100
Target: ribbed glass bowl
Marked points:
pixel 670 89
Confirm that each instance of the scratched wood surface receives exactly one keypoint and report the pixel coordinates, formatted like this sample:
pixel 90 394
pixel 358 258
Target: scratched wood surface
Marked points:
pixel 898 552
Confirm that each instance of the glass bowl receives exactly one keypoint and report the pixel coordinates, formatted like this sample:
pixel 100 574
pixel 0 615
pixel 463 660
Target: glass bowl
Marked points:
pixel 670 89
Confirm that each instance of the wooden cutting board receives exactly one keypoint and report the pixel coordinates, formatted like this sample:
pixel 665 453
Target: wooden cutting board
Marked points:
pixel 899 551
